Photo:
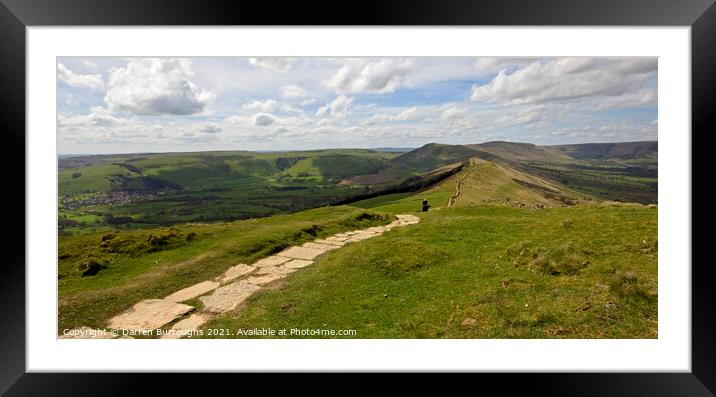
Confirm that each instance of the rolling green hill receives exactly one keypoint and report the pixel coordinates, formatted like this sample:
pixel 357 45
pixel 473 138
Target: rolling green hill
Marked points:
pixel 517 244
pixel 144 190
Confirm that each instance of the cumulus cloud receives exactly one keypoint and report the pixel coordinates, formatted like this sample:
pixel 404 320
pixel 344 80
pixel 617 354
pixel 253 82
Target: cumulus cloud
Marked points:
pixel 566 79
pixel 90 65
pixel 337 108
pixel 98 117
pixel 66 76
pixel 155 86
pixel 630 100
pixel 307 102
pixel 381 76
pixel 292 91
pixel 376 119
pixel 452 113
pixel 407 114
pixel 263 119
pixel 493 65
pixel 277 64
pixel 266 106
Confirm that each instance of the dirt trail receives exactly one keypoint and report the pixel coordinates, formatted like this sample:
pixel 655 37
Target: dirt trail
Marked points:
pixel 458 185
pixel 226 292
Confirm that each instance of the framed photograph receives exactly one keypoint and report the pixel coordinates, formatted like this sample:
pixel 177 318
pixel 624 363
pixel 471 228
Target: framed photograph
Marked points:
pixel 405 188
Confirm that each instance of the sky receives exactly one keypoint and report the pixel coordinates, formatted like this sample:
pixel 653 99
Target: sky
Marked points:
pixel 141 105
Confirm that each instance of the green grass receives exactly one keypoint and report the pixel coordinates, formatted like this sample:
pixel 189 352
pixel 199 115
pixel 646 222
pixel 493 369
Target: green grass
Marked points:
pixel 152 263
pixel 587 271
pixel 210 186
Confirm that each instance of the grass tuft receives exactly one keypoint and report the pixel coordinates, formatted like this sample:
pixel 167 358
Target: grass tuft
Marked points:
pixel 566 259
pixel 628 284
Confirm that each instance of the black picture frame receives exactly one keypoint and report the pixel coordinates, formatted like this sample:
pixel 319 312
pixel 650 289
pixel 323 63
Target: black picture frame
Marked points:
pixel 16 15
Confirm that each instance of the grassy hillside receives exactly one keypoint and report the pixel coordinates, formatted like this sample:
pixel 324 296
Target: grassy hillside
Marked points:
pixel 99 193
pixel 102 274
pixel 615 171
pixel 519 151
pixel 525 250
pixel 102 192
pixel 587 271
pixel 482 182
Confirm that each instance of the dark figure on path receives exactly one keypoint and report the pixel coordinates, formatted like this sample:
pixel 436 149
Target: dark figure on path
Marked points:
pixel 425 205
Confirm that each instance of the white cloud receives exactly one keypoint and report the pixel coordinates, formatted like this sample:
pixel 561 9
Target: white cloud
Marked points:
pixel 452 113
pixel 566 79
pixel 337 108
pixel 296 121
pixel 236 120
pixel 151 86
pixel 630 100
pixel 292 91
pixel 263 119
pixel 382 76
pixel 266 106
pixel 407 114
pixel 90 65
pixel 376 119
pixel 494 65
pixel 278 64
pixel 72 79
pixel 308 102
pixel 98 117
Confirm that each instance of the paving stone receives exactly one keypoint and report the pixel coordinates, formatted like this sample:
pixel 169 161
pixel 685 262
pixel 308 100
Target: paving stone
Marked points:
pixel 272 261
pixel 228 297
pixel 331 242
pixel 184 327
pixel 265 279
pixel 235 272
pixel 297 264
pixel 275 270
pixel 149 314
pixel 192 292
pixel 300 253
pixel 323 247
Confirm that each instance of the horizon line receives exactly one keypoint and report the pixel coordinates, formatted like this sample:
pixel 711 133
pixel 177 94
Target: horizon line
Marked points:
pixel 344 148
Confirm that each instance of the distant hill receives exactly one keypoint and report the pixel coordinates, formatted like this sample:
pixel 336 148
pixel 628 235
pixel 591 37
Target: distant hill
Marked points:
pixel 432 156
pixel 518 151
pixel 605 151
pixel 166 188
pixel 624 171
pixel 486 182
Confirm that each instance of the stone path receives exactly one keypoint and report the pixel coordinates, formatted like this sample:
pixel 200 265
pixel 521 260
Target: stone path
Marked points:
pixel 233 287
pixel 454 197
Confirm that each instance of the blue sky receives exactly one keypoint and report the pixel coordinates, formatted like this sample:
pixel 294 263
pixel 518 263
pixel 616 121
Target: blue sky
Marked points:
pixel 126 105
